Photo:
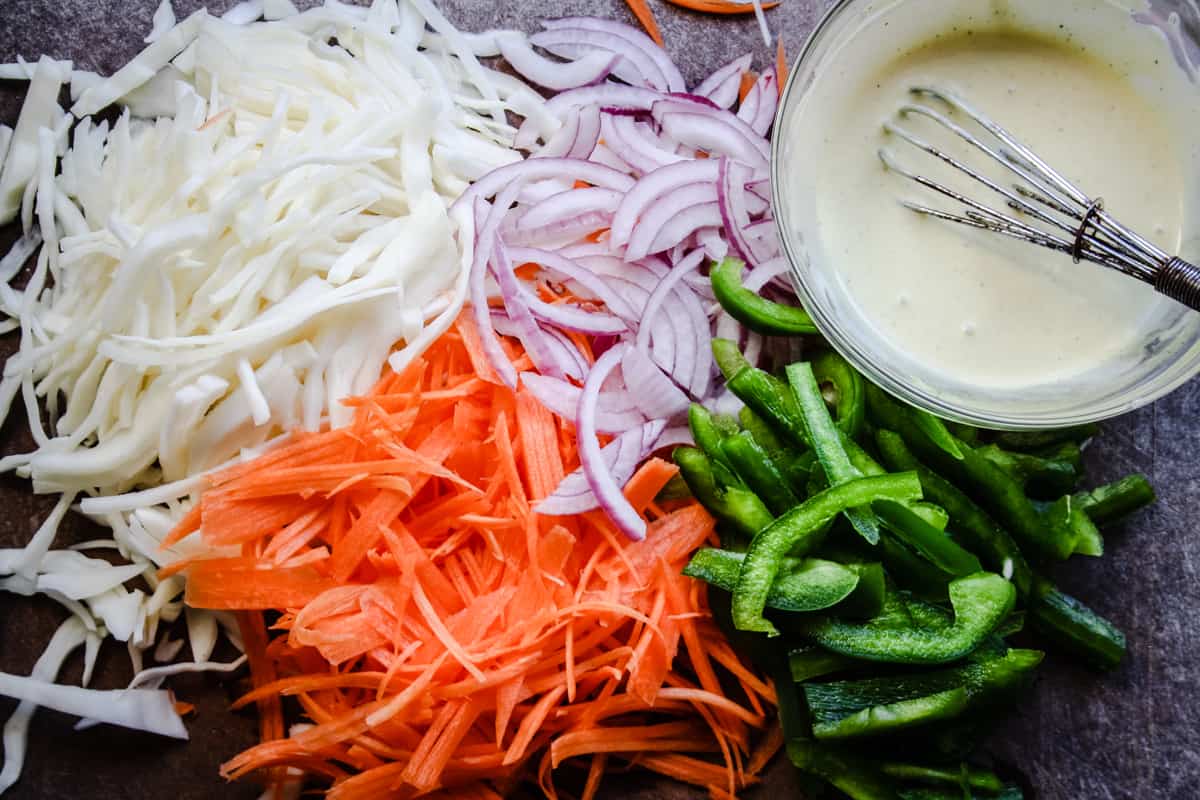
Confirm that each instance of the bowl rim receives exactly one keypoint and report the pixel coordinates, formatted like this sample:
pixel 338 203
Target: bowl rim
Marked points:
pixel 891 380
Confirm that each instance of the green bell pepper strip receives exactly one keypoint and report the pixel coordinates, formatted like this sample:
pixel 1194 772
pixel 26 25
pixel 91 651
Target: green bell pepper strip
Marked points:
pixel 806 663
pixel 996 490
pixel 933 515
pixel 1109 503
pixel 1071 626
pixel 756 313
pixel 849 709
pixel 849 401
pixel 1043 478
pixel 867 598
pixel 754 466
pixel 826 442
pixel 734 505
pixel 809 584
pixel 1068 520
pixel 769 397
pixel 963 432
pixel 1034 440
pixel 792 462
pixel 855 776
pixel 971 524
pixel 897 716
pixel 928 793
pixel 973 778
pixel 707 434
pixel 797 532
pixel 910 570
pixel 927 540
pixel 981 602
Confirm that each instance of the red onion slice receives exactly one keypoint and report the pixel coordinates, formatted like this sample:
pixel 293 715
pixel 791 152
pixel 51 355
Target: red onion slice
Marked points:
pixel 562 398
pixel 574 496
pixel 556 75
pixel 637 143
pixel 694 173
pixel 715 247
pixel 665 212
pixel 656 395
pixel 674 437
pixel 478 286
pixel 635 37
pixel 570 204
pixel 634 66
pixel 599 477
pixel 722 86
pixel 606 95
pixel 765 272
pixel 719 132
pixel 758 109
pixel 540 169
pixel 685 224
pixel 586 278
pixel 545 357
pixel 734 217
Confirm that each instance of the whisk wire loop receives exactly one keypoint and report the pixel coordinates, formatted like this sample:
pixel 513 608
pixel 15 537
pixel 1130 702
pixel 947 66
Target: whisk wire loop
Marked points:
pixel 1047 209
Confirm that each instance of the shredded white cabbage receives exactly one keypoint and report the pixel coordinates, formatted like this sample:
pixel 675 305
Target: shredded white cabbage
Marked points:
pixel 241 249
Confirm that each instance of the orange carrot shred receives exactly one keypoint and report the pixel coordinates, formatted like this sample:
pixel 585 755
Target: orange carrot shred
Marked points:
pixel 749 78
pixel 781 67
pixel 720 6
pixel 445 640
pixel 641 10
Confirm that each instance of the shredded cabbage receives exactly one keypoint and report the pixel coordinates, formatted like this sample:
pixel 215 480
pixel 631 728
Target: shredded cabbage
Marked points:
pixel 241 249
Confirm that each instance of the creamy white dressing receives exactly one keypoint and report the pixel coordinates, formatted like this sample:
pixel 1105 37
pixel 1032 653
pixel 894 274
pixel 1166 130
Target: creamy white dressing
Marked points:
pixel 1095 94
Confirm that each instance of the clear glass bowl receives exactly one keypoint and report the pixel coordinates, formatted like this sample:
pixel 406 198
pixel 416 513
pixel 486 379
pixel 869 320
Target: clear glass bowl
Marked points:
pixel 1168 355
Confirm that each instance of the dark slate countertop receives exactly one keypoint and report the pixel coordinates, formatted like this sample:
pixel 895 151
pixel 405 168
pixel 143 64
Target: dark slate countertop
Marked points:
pixel 1132 735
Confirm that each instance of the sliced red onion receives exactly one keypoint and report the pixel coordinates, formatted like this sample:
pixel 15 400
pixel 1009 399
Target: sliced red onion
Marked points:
pixel 606 155
pixel 633 65
pixel 715 247
pixel 664 212
pixel 663 181
pixel 586 278
pixel 538 169
pixel 662 291
pixel 691 329
pixel 591 68
pixel 545 357
pixel 484 240
pixel 574 496
pixel 636 143
pixel 702 359
pixel 577 137
pixel 727 327
pixel 607 95
pixel 722 86
pixel 573 318
pixel 753 347
pixel 674 437
pixel 685 224
pixel 725 403
pixel 765 272
pixel 694 98
pixel 656 395
pixel 734 216
pixel 569 205
pixel 758 109
pixel 674 79
pixel 562 398
pixel 703 132
pixel 760 189
pixel 564 231
pixel 599 477
pixel 717 131
pixel 573 362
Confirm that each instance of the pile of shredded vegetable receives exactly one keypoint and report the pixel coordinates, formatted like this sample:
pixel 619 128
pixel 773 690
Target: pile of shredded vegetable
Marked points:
pixel 441 636
pixel 239 250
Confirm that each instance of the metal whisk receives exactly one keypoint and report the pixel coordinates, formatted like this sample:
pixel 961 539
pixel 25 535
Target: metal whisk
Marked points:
pixel 1050 211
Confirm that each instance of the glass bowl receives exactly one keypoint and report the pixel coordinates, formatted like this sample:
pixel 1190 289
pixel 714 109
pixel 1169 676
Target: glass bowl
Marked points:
pixel 1165 357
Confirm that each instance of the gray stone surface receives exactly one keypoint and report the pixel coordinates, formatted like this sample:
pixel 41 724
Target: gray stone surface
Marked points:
pixel 1133 735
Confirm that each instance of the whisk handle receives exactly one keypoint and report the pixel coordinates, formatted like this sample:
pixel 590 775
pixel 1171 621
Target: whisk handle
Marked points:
pixel 1180 280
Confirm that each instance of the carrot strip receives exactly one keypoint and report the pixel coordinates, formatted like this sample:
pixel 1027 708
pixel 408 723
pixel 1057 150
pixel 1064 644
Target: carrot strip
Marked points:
pixel 781 67
pixel 720 6
pixel 444 639
pixel 641 10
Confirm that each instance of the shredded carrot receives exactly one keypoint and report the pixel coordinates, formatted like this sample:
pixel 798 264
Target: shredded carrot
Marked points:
pixel 641 10
pixel 749 78
pixel 781 67
pixel 443 638
pixel 720 6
